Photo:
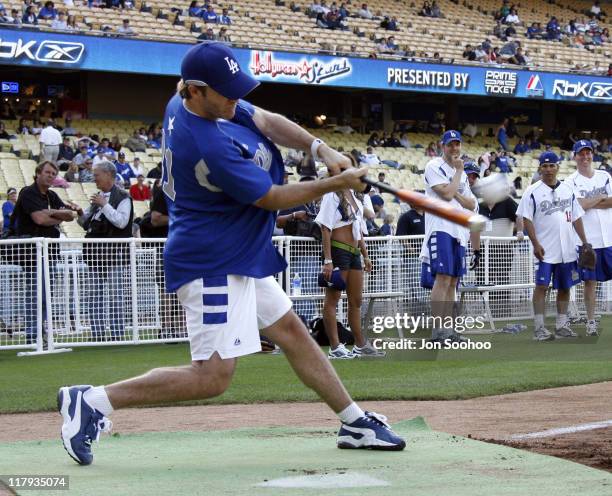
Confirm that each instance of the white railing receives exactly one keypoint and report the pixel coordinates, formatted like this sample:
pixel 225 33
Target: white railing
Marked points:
pixel 111 291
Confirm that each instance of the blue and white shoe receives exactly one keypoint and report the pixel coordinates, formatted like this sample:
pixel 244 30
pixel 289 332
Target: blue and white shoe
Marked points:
pixel 370 432
pixel 82 424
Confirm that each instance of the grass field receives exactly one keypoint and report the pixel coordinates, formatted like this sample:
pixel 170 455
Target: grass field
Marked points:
pixel 514 364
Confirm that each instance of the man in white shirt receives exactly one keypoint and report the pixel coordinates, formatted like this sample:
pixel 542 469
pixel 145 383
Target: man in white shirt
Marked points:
pixel 549 209
pixel 364 12
pixel 50 140
pixel 125 28
pixel 594 193
pixel 443 250
pixel 369 157
pixel 513 18
pixel 60 21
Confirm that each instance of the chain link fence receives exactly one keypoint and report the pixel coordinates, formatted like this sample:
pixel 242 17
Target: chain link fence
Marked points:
pixel 58 293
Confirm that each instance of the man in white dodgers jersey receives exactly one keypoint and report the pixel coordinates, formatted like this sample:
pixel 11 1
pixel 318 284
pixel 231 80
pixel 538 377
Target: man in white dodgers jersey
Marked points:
pixel 223 181
pixel 443 250
pixel 594 193
pixel 552 214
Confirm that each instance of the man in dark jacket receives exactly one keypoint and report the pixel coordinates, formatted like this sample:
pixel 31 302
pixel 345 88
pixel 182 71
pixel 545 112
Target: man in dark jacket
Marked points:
pixel 109 216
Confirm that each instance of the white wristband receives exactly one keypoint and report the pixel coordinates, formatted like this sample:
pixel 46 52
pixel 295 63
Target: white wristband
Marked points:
pixel 314 146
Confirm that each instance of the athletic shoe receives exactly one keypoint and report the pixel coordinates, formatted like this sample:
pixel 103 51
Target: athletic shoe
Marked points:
pixel 370 432
pixel 340 353
pixel 82 423
pixel 367 350
pixel 542 334
pixel 565 332
pixel 591 328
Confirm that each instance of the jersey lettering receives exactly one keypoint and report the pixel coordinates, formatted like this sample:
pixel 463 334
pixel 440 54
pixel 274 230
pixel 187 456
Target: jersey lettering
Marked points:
pixel 202 171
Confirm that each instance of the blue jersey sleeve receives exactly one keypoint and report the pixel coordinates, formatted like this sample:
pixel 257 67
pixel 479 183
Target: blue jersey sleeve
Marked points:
pixel 229 167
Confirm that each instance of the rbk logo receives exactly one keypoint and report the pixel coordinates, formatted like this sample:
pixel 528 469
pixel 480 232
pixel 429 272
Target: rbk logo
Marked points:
pixel 60 51
pixel 233 65
pixel 602 91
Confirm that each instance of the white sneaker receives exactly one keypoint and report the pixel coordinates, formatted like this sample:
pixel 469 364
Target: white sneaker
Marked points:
pixel 340 353
pixel 591 328
pixel 542 334
pixel 367 350
pixel 565 332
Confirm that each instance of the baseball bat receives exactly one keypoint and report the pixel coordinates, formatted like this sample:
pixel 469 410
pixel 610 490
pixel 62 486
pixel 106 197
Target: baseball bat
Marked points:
pixel 474 222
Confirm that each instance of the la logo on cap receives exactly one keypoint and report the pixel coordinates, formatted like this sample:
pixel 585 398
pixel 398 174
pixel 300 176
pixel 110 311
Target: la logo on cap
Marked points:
pixel 233 65
pixel 453 134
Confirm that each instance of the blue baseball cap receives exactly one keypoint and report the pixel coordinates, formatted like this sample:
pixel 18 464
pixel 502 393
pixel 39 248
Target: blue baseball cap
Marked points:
pixel 549 158
pixel 335 281
pixel 581 144
pixel 214 65
pixel 471 168
pixel 451 135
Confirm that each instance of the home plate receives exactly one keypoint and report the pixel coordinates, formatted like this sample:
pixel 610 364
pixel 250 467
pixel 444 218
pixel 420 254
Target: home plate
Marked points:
pixel 326 481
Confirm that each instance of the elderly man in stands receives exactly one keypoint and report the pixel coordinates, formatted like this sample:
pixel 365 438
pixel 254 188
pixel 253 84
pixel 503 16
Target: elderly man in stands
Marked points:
pixel 135 143
pixel 110 215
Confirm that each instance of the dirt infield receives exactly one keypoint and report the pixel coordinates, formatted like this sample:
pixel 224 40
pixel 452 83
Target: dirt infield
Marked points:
pixel 491 418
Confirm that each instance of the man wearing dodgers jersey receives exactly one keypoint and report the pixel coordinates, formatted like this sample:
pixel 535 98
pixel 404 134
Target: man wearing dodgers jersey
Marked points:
pixel 223 179
pixel 552 214
pixel 594 193
pixel 443 251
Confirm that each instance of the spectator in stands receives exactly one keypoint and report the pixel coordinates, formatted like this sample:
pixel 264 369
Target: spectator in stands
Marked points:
pixel 29 16
pixel 123 168
pixel 389 24
pixel 471 130
pixel 99 156
pixel 435 10
pixel 66 153
pixel 431 151
pixel 7 209
pixel 503 11
pixel 156 172
pixel 50 140
pixel 125 29
pixel 480 54
pixel 71 23
pixel 60 21
pixel 152 141
pixel 508 51
pixel 513 18
pixel 39 211
pixel 224 18
pixel 553 29
pixel 499 31
pixel 503 164
pixel 115 144
pixel 86 171
pixel 109 216
pixel 208 35
pixel 68 129
pixel 4 17
pixel 209 15
pixel 392 141
pixel 83 155
pixel 364 12
pixel 3 133
pixel 534 32
pixel 502 134
pixel 369 157
pixel 137 167
pixel 520 58
pixel 48 11
pixel 109 153
pixel 135 143
pixel 404 141
pixel 223 37
pixel 140 191
pixel 72 174
pixel 373 140
pixel 194 10
pixel 387 228
pixel 411 223
pixel 425 10
pixel 378 204
pixel 469 52
pixel 521 147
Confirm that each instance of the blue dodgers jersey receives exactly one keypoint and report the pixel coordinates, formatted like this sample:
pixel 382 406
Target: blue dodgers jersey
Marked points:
pixel 213 172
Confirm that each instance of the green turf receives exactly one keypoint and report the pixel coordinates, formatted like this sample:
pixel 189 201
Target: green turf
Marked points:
pixel 516 364
pixel 239 462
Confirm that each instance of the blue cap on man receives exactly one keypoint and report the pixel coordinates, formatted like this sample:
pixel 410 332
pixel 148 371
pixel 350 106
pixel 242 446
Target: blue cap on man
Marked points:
pixel 471 168
pixel 451 135
pixel 214 65
pixel 549 158
pixel 581 144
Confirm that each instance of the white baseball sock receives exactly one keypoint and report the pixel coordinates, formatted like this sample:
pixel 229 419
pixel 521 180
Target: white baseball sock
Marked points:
pixel 350 413
pixel 561 320
pixel 538 320
pixel 97 398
